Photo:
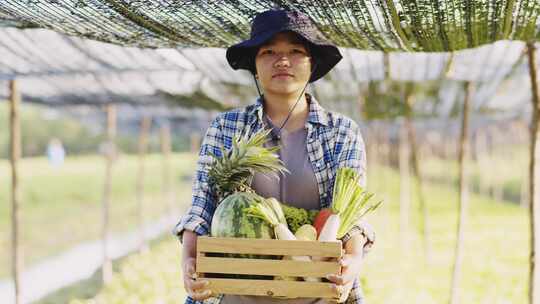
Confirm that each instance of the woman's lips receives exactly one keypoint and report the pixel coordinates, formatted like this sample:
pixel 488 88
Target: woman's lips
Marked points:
pixel 282 75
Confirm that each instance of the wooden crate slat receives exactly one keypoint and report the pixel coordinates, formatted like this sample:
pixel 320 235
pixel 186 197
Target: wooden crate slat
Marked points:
pixel 273 288
pixel 266 267
pixel 268 247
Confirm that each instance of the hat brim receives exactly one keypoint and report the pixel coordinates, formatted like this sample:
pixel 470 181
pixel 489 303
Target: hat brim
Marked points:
pixel 325 55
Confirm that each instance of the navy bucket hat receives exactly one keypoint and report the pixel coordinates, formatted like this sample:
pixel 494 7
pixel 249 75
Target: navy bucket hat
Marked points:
pixel 266 24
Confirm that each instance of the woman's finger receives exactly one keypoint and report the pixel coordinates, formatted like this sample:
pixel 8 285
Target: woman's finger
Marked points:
pixel 202 295
pixel 193 284
pixel 336 279
pixel 196 285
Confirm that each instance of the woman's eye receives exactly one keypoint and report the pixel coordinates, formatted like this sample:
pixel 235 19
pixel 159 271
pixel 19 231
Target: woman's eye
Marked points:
pixel 267 52
pixel 299 51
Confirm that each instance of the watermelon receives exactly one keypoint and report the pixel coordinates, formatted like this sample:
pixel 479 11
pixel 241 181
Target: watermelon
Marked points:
pixel 230 220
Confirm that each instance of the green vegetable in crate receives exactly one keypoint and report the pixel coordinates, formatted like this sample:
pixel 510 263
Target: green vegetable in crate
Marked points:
pixel 296 217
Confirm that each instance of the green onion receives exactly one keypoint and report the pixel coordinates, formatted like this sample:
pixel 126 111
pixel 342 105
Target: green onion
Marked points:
pixel 350 200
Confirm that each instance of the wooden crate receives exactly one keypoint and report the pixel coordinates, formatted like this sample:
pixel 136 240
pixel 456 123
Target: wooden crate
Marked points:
pixel 208 265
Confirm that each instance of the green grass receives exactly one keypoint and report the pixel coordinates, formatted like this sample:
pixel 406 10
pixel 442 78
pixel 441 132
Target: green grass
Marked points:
pixel 494 270
pixel 61 207
pixel 504 171
pixel 496 249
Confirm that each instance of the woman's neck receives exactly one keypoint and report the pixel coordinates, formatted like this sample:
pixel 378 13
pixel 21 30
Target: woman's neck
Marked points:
pixel 277 108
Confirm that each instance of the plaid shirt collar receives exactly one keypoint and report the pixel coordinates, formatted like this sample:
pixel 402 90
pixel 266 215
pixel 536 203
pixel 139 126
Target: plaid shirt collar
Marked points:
pixel 317 115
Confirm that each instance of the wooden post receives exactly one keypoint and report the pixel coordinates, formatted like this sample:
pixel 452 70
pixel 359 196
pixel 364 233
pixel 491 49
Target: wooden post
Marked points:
pixel 498 189
pixel 490 170
pixel 15 155
pixel 483 164
pixel 463 196
pixel 371 151
pixel 404 189
pixel 424 222
pixel 361 100
pixel 109 158
pixel 143 146
pixel 376 153
pixel 534 181
pixel 195 142
pixel 165 134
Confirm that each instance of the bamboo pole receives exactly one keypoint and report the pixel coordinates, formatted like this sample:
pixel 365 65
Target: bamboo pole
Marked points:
pixel 483 163
pixel 15 155
pixel 376 152
pixel 361 100
pixel 142 148
pixel 424 222
pixel 490 170
pixel 404 189
pixel 534 177
pixel 109 157
pixel 386 156
pixel 195 142
pixel 498 189
pixel 463 197
pixel 370 147
pixel 165 135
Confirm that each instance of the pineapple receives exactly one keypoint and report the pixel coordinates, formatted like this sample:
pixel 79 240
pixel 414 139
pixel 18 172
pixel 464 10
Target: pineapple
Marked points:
pixel 233 172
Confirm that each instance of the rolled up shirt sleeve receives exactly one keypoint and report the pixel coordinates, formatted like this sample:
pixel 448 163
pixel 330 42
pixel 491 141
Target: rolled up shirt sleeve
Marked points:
pixel 366 230
pixel 199 216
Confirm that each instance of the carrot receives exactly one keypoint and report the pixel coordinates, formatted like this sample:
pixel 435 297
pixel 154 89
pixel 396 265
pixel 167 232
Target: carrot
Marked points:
pixel 320 219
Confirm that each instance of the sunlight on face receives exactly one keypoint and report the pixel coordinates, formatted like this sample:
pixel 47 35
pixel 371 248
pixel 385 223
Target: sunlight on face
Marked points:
pixel 283 64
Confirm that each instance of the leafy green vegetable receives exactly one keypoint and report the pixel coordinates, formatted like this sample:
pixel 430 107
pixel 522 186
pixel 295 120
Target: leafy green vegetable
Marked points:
pixel 268 210
pixel 297 217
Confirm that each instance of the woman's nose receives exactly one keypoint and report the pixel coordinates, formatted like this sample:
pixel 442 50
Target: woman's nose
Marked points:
pixel 282 61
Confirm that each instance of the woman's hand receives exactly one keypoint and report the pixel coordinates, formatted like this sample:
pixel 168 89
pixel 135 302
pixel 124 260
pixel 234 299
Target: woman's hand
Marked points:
pixel 351 265
pixel 195 288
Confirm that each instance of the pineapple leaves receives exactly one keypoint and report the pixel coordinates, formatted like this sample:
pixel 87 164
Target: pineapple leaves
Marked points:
pixel 233 172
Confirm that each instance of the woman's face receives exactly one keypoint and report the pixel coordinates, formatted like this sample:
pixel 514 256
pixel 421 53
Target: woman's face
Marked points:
pixel 283 64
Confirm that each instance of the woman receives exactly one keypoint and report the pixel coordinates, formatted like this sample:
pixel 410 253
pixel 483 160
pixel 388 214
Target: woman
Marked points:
pixel 284 53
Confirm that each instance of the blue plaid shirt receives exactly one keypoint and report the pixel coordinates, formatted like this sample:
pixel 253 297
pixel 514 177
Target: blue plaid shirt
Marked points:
pixel 333 141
